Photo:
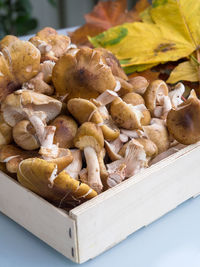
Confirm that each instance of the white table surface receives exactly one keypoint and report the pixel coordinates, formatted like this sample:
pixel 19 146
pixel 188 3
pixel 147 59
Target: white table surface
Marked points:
pixel 171 241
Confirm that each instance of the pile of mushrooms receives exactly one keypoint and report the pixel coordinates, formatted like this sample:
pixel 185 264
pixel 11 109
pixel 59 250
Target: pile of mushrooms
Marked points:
pixel 72 124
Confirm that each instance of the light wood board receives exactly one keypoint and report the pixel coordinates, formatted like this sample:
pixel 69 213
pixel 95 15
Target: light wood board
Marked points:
pixel 112 216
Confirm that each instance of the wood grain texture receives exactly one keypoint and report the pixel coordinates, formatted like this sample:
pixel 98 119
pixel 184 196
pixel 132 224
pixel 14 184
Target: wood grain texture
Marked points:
pixel 109 218
pixel 48 223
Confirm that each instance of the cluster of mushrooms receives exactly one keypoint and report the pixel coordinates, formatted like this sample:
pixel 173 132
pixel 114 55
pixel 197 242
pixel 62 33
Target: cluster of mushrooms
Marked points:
pixel 73 125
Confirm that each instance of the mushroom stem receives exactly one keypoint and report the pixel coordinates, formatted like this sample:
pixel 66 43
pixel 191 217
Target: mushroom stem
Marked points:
pixel 75 167
pixel 93 168
pixel 106 97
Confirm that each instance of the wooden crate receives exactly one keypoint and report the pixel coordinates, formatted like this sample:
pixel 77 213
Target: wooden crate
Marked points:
pixel 104 221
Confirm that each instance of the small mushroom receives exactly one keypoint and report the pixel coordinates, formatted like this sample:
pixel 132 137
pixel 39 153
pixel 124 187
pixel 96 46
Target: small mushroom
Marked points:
pixel 133 161
pixel 139 84
pixel 126 87
pixel 24 135
pixel 41 177
pixel 19 62
pixel 12 156
pixel 89 138
pixel 84 110
pixel 126 115
pixel 66 129
pixel 51 44
pixel 17 104
pixel 183 122
pixel 136 100
pixel 176 94
pixel 150 148
pixel 38 85
pixel 157 133
pixel 113 63
pixel 82 75
pixel 47 68
pixel 157 99
pixel 113 148
pixel 5 132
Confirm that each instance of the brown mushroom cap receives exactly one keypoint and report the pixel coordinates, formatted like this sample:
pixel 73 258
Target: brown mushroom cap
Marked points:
pixel 51 44
pixel 82 75
pixel 124 116
pixel 184 122
pixel 133 98
pixel 139 84
pixel 66 129
pixel 126 87
pixel 89 134
pixel 13 155
pixel 157 133
pixel 41 177
pixel 5 132
pixel 84 110
pixel 113 63
pixel 156 88
pixel 24 135
pixel 19 62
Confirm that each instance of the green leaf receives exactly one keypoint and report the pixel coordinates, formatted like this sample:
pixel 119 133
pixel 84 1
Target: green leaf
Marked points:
pixel 24 24
pixel 138 68
pixel 53 3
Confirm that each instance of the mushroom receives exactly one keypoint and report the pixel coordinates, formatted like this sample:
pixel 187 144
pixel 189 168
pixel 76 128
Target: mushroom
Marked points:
pixel 75 167
pixel 24 135
pixel 126 87
pixel 37 84
pixel 137 100
pixel 113 63
pixel 82 75
pixel 133 161
pixel 5 132
pixel 103 170
pixel 47 68
pixel 176 94
pixel 41 177
pixel 183 122
pixel 84 110
pixel 89 138
pixel 157 133
pixel 126 115
pixel 19 62
pixel 16 106
pixel 66 129
pixel 157 99
pixel 112 148
pixel 150 148
pixel 51 44
pixel 12 156
pixel 139 84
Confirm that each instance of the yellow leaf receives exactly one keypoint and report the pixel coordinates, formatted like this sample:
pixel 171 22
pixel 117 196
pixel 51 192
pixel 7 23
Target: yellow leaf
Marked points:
pixel 186 71
pixel 174 34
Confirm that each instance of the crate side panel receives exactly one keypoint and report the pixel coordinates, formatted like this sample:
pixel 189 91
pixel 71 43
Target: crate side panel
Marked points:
pixel 48 223
pixel 135 205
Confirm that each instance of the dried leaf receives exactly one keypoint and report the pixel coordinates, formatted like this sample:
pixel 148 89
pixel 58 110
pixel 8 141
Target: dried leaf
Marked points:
pixel 174 34
pixel 148 74
pixel 106 15
pixel 186 71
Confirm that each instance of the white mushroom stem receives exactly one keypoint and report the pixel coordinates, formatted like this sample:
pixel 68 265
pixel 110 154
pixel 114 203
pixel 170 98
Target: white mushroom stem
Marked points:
pixel 94 180
pixel 176 94
pixel 163 108
pixel 39 126
pixel 106 97
pixel 75 167
pixel 133 133
pixel 118 86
